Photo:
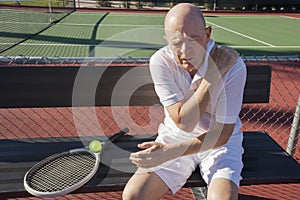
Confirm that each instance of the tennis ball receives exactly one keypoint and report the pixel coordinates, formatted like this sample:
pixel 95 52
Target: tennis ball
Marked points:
pixel 95 146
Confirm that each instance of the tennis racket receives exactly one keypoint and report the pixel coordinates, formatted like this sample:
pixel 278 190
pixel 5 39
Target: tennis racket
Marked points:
pixel 65 172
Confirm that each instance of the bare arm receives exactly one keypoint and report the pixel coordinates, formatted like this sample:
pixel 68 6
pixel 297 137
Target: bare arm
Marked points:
pixel 214 138
pixel 187 113
pixel 157 153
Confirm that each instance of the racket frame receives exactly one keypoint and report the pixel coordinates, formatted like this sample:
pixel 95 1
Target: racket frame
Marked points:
pixel 69 189
pixel 76 186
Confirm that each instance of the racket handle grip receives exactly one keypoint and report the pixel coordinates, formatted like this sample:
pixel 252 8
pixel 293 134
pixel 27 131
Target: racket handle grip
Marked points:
pixel 119 134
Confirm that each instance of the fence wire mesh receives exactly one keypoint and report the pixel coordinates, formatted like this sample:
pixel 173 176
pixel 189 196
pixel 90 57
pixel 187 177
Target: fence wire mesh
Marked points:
pixel 275 117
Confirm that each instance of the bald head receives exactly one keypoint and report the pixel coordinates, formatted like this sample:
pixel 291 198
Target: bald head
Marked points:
pixel 184 16
pixel 187 35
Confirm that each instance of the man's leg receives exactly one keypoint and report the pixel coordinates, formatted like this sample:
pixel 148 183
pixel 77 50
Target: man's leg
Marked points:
pixel 221 188
pixel 221 169
pixel 144 185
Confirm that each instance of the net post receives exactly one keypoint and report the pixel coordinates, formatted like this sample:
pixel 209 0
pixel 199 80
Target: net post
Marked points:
pixel 295 129
pixel 50 11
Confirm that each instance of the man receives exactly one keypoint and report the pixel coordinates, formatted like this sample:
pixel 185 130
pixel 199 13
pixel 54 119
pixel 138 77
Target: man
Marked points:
pixel 201 87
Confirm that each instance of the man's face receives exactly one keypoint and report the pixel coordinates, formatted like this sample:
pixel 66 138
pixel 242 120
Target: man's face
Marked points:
pixel 188 45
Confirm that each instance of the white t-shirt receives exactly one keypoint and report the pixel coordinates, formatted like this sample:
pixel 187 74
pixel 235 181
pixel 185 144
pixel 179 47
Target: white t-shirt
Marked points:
pixel 172 84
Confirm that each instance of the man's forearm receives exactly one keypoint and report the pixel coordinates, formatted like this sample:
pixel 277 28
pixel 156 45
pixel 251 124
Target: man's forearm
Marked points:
pixel 193 109
pixel 213 138
pixel 155 153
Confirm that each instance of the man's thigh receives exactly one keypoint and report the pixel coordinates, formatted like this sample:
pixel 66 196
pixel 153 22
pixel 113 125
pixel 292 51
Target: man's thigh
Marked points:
pixel 224 162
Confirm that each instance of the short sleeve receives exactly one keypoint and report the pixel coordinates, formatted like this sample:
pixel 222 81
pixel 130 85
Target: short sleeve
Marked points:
pixel 163 72
pixel 230 99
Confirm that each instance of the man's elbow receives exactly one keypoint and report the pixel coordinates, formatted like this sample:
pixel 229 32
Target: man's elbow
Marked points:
pixel 226 132
pixel 184 126
pixel 222 141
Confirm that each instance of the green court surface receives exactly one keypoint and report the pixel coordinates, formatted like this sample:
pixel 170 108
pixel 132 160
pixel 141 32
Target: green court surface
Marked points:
pixel 100 34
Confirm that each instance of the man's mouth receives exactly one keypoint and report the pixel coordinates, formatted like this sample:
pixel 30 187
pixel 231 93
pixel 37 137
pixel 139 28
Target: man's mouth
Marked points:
pixel 185 63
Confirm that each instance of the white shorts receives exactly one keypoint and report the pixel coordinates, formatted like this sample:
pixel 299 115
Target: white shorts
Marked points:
pixel 223 162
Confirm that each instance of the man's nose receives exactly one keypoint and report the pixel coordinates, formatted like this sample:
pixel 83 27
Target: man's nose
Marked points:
pixel 182 51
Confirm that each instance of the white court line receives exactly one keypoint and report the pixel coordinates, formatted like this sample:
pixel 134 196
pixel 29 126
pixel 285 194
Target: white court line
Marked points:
pixel 125 15
pixel 135 15
pixel 246 36
pixel 91 45
pixel 136 25
pixel 266 47
pixel 250 17
pixel 6 22
pixel 289 17
pixel 74 24
pixel 142 45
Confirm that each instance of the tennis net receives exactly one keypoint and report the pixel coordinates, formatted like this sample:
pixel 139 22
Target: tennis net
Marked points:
pixel 20 20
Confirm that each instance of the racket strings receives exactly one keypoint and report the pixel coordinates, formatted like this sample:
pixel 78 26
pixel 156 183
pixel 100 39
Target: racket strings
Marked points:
pixel 62 172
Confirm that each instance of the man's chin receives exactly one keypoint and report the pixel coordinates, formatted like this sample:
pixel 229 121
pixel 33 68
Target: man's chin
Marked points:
pixel 187 66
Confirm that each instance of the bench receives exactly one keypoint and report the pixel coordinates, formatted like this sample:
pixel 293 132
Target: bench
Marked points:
pixel 265 162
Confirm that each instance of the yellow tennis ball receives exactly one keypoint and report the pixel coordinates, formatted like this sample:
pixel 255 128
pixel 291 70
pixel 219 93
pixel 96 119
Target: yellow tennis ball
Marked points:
pixel 95 146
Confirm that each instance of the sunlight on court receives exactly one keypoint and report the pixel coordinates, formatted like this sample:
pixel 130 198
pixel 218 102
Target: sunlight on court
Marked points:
pixel 104 34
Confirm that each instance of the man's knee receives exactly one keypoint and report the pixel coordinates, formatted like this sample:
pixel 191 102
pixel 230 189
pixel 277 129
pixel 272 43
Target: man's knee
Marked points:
pixel 130 193
pixel 222 189
pixel 217 195
pixel 144 186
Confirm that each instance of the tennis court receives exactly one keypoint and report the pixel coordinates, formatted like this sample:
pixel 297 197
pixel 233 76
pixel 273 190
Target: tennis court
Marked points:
pixel 109 34
pixel 117 34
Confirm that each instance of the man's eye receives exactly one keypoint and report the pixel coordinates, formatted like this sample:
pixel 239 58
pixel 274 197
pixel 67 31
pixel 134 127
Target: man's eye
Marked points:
pixel 191 40
pixel 176 42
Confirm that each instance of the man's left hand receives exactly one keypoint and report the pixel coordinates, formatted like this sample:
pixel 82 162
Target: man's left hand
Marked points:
pixel 154 154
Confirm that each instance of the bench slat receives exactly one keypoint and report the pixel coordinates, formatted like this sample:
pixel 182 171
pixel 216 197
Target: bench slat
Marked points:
pixel 50 86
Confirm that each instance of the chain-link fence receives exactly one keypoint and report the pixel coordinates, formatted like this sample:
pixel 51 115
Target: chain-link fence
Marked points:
pixel 278 117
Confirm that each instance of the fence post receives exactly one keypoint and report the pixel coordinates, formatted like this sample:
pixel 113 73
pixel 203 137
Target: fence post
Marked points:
pixel 215 5
pixel 295 129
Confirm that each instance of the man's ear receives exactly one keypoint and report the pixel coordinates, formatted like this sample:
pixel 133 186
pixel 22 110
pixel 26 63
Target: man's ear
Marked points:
pixel 208 32
pixel 165 37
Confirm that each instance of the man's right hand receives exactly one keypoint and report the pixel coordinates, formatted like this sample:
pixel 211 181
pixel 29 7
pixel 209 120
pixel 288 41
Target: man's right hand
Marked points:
pixel 221 59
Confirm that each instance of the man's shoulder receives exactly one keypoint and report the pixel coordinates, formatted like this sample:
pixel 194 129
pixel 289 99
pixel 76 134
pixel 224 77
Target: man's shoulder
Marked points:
pixel 163 52
pixel 238 70
pixel 238 66
pixel 163 61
